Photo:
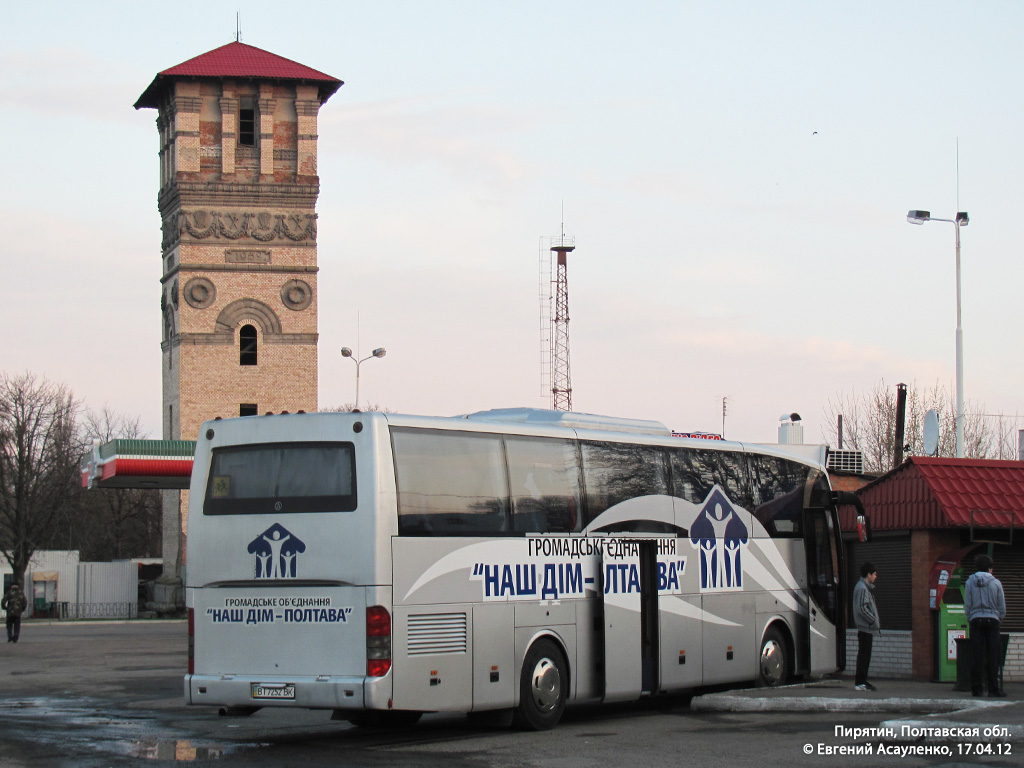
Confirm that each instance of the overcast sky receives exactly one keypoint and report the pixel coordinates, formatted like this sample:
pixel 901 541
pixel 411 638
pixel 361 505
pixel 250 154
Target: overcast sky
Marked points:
pixel 736 175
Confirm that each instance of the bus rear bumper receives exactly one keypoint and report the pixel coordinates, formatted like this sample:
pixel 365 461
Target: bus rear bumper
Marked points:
pixel 300 692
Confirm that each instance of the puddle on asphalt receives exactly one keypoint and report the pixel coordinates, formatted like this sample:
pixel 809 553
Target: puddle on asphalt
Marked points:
pixel 88 723
pixel 180 750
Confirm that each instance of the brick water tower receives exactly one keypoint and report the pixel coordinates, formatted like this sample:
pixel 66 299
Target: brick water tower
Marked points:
pixel 237 201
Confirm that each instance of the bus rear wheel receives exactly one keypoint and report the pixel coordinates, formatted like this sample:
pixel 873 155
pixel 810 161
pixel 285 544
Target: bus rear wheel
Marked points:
pixel 543 687
pixel 774 665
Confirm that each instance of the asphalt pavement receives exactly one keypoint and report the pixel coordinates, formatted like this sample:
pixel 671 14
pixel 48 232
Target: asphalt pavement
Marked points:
pixel 102 694
pixel 936 704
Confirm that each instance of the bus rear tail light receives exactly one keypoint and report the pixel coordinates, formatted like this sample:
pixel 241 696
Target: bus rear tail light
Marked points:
pixel 378 641
pixel 191 641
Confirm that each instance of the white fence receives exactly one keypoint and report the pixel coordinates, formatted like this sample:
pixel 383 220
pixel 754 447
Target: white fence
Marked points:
pixel 105 591
pixel 59 586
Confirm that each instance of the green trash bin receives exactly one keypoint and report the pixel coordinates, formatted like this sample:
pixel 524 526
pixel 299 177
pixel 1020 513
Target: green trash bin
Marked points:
pixel 952 625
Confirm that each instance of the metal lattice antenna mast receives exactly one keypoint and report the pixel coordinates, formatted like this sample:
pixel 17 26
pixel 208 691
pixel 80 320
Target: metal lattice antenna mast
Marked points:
pixel 561 381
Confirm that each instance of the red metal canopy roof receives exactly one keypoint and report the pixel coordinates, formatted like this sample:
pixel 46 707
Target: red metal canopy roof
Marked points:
pixel 238 60
pixel 132 463
pixel 926 492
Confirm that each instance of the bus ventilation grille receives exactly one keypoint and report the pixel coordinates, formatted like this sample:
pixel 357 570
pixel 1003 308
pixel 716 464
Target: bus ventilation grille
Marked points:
pixel 431 633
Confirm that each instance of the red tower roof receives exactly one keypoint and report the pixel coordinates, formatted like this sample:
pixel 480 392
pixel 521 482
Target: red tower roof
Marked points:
pixel 245 62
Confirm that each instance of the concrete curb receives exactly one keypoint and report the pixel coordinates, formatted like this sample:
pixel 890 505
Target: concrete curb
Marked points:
pixel 721 702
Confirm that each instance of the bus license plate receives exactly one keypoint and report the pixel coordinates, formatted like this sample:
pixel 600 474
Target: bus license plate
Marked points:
pixel 273 691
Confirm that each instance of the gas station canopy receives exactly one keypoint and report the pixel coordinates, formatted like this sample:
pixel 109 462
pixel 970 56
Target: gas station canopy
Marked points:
pixel 163 464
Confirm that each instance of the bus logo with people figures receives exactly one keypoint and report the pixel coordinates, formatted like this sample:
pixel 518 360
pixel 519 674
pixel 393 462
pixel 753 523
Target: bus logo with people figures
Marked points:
pixel 277 551
pixel 720 534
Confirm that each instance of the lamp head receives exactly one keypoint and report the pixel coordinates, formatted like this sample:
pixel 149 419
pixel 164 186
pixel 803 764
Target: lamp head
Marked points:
pixel 962 219
pixel 346 352
pixel 379 352
pixel 919 217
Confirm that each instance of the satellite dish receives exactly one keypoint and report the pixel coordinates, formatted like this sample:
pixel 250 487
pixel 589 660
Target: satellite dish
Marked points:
pixel 931 432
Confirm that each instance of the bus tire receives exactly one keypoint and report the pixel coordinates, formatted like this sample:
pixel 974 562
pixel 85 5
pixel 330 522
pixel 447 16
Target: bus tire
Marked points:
pixel 376 718
pixel 774 664
pixel 543 687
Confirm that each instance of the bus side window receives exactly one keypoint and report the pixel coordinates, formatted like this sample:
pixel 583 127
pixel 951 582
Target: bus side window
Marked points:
pixel 779 488
pixel 544 480
pixel 696 472
pixel 734 476
pixel 693 474
pixel 617 472
pixel 449 483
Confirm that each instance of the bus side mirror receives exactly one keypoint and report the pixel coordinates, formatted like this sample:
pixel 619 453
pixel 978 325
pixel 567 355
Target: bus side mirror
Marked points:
pixel 846 498
pixel 863 528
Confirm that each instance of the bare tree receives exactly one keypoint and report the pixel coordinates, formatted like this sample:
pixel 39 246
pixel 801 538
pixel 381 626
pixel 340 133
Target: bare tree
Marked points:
pixel 350 407
pixel 39 454
pixel 869 424
pixel 115 523
pixel 1008 429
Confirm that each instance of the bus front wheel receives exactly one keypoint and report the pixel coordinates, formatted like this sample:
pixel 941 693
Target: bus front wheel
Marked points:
pixel 543 687
pixel 774 667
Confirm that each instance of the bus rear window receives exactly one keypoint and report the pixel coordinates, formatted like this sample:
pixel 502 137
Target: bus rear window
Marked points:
pixel 282 478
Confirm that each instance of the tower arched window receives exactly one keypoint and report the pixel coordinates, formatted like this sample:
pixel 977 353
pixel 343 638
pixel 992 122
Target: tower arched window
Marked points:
pixel 247 345
pixel 247 127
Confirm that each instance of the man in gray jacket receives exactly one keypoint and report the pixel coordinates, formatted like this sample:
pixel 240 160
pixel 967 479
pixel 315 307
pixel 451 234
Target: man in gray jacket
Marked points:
pixel 985 607
pixel 865 618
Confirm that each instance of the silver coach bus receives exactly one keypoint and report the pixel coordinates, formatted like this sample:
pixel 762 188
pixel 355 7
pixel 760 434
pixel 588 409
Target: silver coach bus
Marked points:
pixel 382 566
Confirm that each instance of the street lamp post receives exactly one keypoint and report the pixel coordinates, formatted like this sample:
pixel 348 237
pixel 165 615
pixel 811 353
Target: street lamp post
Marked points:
pixel 961 220
pixel 346 352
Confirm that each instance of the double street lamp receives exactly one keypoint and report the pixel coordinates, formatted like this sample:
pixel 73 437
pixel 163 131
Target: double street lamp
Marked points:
pixel 961 220
pixel 346 352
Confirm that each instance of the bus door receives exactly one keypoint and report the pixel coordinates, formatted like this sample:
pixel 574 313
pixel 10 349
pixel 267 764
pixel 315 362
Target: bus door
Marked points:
pixel 823 619
pixel 629 571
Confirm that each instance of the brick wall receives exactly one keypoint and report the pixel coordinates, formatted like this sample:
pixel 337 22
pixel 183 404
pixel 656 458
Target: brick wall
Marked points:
pixel 926 546
pixel 1013 669
pixel 239 227
pixel 890 654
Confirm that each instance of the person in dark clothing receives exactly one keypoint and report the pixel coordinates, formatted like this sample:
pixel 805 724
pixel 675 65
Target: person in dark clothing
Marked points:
pixel 14 603
pixel 865 618
pixel 985 606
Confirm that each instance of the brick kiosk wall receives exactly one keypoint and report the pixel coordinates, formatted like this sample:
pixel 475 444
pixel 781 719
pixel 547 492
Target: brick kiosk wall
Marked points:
pixel 890 654
pixel 1013 669
pixel 926 546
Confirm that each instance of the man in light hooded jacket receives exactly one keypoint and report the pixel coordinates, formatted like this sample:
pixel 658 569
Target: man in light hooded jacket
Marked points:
pixel 985 606
pixel 865 618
